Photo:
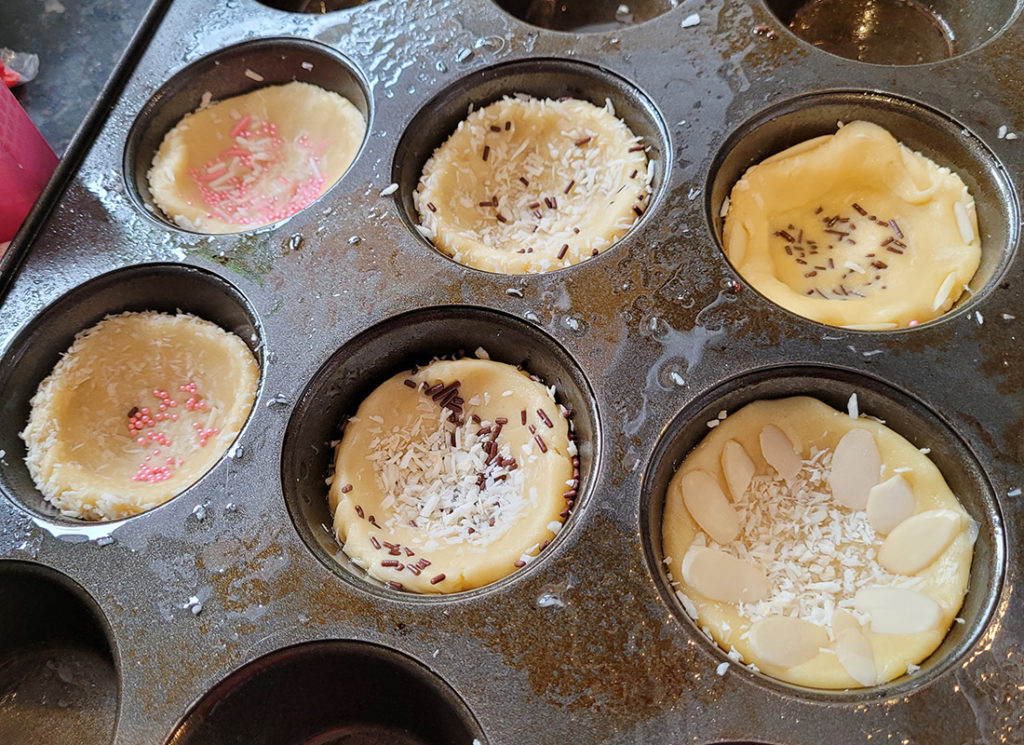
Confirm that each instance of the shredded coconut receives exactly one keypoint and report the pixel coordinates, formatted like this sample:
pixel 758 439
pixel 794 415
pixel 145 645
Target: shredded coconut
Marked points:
pixel 431 474
pixel 816 554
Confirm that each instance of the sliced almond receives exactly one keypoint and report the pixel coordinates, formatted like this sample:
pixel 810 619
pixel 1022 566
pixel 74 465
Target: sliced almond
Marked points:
pixel 842 620
pixel 709 506
pixel 853 648
pixel 738 468
pixel 718 576
pixel 889 504
pixel 785 641
pixel 778 450
pixel 894 610
pixel 918 541
pixel 856 467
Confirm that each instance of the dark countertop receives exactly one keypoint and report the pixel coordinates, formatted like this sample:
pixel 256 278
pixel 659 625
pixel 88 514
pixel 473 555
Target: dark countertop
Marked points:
pixel 78 44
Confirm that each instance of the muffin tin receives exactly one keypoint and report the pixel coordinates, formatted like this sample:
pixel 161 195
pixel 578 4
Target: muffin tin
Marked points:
pixel 228 605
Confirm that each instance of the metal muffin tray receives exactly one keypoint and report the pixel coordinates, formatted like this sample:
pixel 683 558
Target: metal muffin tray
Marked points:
pixel 224 615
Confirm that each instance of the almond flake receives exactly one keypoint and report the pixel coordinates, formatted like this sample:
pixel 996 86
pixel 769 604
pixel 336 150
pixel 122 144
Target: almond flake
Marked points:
pixel 918 541
pixel 718 576
pixel 708 505
pixel 785 641
pixel 778 450
pixel 855 655
pixel 856 465
pixel 889 504
pixel 894 610
pixel 738 468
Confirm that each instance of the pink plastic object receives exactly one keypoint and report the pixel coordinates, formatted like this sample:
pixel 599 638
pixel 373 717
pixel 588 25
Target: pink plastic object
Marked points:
pixel 26 162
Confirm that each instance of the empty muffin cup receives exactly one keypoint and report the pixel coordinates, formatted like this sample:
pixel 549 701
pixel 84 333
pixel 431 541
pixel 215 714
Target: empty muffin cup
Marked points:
pixel 59 681
pixel 863 30
pixel 581 17
pixel 328 693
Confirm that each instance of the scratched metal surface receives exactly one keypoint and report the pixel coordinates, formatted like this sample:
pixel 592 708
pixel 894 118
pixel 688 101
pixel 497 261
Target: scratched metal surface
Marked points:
pixel 585 645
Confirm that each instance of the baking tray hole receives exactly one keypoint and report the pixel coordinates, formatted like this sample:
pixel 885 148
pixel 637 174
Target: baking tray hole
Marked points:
pixel 223 74
pixel 327 693
pixel 34 352
pixel 863 30
pixel 922 129
pixel 382 351
pixel 58 679
pixel 315 6
pixel 540 78
pixel 583 16
pixel 902 413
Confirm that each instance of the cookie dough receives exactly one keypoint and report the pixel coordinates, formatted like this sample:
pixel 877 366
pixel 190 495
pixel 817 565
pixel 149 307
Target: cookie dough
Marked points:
pixel 254 159
pixel 452 476
pixel 854 229
pixel 136 411
pixel 827 551
pixel 527 185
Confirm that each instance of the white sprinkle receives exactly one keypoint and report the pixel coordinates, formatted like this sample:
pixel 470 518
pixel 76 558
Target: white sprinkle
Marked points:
pixel 720 670
pixel 387 191
pixel 963 222
pixel 981 318
pixel 714 423
pixel 677 378
pixel 851 407
pixel 688 605
pixel 943 294
pixel 872 352
pixel 1001 132
pixel 855 267
pixel 1009 317
pixel 912 668
pixel 193 605
pixel 902 469
pixel 514 292
pixel 205 100
pixel 436 653
pixel 723 414
pixel 959 620
pixel 1011 135
pixel 572 323
pixel 200 512
pixel 3 453
pixel 481 354
pixel 104 540
pixel 1013 492
pixel 307 65
pixel 925 451
pixel 725 207
pixel 253 75
pixel 691 20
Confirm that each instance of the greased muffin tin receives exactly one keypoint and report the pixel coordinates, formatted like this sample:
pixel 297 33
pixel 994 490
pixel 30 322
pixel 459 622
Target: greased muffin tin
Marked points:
pixel 226 614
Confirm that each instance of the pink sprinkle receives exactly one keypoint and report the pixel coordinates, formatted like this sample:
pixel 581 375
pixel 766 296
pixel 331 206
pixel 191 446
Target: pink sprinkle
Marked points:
pixel 240 127
pixel 913 323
